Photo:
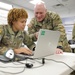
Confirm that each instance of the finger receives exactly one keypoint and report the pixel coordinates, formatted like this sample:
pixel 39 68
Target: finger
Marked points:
pixel 29 51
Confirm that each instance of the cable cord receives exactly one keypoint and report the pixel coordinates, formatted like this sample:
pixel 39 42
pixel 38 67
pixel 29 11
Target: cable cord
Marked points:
pixel 11 67
pixel 14 72
pixel 61 62
pixel 20 66
pixel 33 63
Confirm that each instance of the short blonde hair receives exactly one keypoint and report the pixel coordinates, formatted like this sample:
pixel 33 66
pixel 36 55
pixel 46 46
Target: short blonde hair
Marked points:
pixel 16 13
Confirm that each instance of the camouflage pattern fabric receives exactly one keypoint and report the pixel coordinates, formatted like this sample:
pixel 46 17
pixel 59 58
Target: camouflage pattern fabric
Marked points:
pixel 52 21
pixel 72 73
pixel 73 32
pixel 8 39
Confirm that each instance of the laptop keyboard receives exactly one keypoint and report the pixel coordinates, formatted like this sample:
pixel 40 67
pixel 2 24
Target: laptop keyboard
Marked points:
pixel 21 57
pixel 18 57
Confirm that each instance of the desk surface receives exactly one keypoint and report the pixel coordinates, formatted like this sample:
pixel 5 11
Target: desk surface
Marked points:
pixel 49 68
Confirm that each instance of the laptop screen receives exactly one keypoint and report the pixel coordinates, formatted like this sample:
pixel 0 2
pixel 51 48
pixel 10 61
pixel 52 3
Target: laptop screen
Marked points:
pixel 47 43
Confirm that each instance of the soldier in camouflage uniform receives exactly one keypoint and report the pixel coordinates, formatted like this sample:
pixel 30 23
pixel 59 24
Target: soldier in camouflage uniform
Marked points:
pixel 73 36
pixel 73 32
pixel 13 35
pixel 48 20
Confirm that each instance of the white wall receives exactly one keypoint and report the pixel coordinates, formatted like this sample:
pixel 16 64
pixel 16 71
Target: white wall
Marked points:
pixel 68 23
pixel 30 15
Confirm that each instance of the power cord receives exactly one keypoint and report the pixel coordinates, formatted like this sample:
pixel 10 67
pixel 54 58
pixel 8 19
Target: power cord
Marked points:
pixel 19 67
pixel 32 63
pixel 61 62
pixel 12 67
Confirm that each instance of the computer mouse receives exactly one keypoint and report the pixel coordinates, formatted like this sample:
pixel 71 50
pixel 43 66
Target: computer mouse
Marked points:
pixel 29 65
pixel 9 54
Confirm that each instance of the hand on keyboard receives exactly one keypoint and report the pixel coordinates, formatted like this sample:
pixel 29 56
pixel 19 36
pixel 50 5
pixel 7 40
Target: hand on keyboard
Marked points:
pixel 27 54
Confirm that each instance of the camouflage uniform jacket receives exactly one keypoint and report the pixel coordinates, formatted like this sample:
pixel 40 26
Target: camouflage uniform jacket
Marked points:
pixel 73 32
pixel 52 21
pixel 8 39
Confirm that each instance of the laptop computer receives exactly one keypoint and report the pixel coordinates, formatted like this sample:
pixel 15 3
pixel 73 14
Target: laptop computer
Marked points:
pixel 45 46
pixel 47 43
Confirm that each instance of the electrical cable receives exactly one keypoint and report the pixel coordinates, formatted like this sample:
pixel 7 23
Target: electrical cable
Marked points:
pixel 32 67
pixel 35 66
pixel 61 62
pixel 21 66
pixel 13 67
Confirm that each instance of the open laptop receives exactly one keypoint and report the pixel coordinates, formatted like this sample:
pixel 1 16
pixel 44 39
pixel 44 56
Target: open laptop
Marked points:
pixel 45 46
pixel 47 43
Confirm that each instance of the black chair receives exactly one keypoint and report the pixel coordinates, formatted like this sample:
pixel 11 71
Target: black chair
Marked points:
pixel 72 42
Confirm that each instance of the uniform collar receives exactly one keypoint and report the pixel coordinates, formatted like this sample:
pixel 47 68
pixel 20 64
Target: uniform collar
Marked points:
pixel 12 32
pixel 10 29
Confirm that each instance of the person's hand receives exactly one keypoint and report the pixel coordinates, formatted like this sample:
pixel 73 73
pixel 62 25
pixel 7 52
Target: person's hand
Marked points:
pixel 58 51
pixel 23 50
pixel 36 34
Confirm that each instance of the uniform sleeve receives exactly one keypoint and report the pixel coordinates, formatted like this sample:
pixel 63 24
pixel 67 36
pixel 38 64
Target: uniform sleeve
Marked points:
pixel 3 48
pixel 73 32
pixel 28 41
pixel 31 29
pixel 57 25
